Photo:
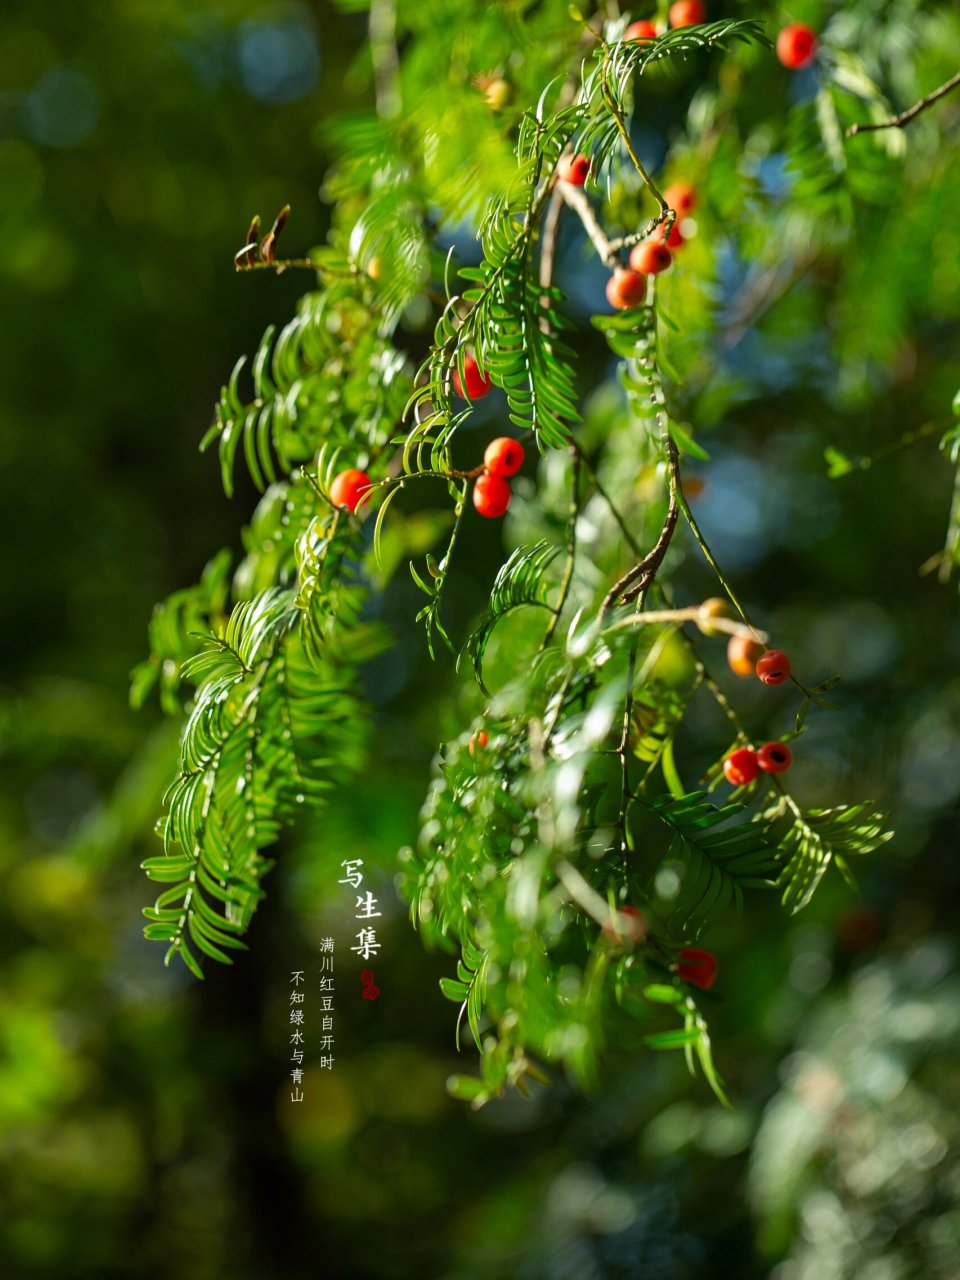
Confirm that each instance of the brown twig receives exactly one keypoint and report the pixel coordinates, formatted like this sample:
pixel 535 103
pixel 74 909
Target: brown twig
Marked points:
pixel 637 579
pixel 691 613
pixel 551 225
pixel 279 265
pixel 575 198
pixel 904 118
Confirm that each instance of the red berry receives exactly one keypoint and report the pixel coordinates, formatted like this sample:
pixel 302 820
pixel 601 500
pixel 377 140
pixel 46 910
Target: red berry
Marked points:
pixel 698 967
pixel 773 667
pixel 633 932
pixel 503 457
pixel 574 169
pixel 478 741
pixel 774 757
pixel 643 30
pixel 491 495
pixel 797 45
pixel 348 488
pixel 740 766
pixel 742 654
pixel 477 385
pixel 682 197
pixel 687 13
pixel 650 257
pixel 676 237
pixel 626 289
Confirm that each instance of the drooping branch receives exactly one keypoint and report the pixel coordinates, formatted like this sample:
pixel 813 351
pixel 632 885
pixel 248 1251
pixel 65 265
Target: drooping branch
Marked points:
pixel 904 118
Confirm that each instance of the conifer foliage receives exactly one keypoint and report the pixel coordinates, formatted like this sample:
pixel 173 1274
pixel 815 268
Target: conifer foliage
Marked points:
pixel 566 799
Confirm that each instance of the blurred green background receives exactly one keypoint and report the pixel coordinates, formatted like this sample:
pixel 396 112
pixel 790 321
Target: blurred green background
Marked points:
pixel 145 1121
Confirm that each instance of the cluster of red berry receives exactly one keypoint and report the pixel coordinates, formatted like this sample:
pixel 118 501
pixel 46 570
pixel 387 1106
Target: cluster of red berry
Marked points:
pixel 627 287
pixel 683 13
pixel 748 657
pixel 796 43
pixel 502 458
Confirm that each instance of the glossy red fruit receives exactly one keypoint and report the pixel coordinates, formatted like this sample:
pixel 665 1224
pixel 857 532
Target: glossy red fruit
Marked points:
pixel 626 289
pixel 491 495
pixel 797 45
pixel 682 197
pixel 348 488
pixel 698 967
pixel 478 741
pixel 650 257
pixel 574 169
pixel 741 766
pixel 476 384
pixel 687 13
pixel 774 757
pixel 742 655
pixel 773 667
pixel 643 30
pixel 503 457
pixel 632 932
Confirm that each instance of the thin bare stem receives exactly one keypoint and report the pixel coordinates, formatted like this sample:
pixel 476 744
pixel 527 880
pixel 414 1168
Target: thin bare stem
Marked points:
pixel 691 613
pixel 636 580
pixel 904 118
pixel 567 578
pixel 631 149
pixel 551 225
pixel 711 559
pixel 575 198
pixel 279 266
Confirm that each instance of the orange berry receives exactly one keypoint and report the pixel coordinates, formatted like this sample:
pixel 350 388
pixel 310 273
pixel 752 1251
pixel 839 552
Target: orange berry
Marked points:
pixel 797 45
pixel 503 457
pixel 650 257
pixel 476 383
pixel 491 495
pixel 687 13
pixel 478 741
pixel 682 197
pixel 742 655
pixel 643 30
pixel 626 289
pixel 774 757
pixel 348 488
pixel 741 766
pixel 573 169
pixel 773 667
